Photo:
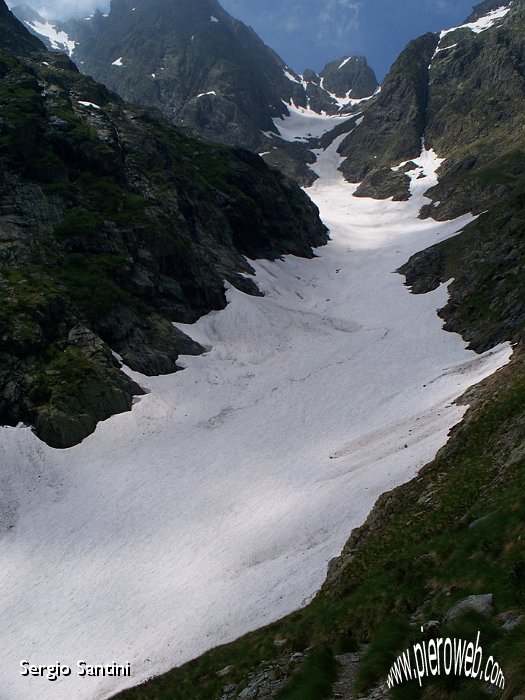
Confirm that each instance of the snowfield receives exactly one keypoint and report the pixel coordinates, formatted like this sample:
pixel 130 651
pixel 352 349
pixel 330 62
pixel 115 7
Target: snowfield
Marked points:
pixel 303 124
pixel 215 505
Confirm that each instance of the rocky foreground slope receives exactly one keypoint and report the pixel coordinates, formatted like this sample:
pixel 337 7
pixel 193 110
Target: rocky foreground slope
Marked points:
pixel 112 224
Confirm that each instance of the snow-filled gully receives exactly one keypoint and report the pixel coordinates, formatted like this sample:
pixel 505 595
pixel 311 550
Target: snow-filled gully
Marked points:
pixel 214 506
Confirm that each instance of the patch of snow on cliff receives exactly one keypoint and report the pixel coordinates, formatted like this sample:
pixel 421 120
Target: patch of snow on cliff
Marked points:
pixel 291 77
pixel 481 24
pixel 58 40
pixel 88 104
pixel 346 60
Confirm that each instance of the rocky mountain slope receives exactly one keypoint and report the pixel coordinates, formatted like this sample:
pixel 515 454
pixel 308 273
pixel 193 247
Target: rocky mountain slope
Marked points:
pixel 462 93
pixel 203 69
pixel 112 224
pixel 444 554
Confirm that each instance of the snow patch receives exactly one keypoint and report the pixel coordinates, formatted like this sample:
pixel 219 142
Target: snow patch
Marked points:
pixel 482 24
pixel 440 50
pixel 291 77
pixel 347 100
pixel 303 124
pixel 58 40
pixel 345 62
pixel 202 94
pixel 88 104
pixel 118 62
pixel 213 19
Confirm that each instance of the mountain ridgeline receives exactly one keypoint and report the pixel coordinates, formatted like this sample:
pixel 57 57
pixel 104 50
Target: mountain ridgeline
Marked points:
pixel 201 67
pixel 113 223
pixel 207 71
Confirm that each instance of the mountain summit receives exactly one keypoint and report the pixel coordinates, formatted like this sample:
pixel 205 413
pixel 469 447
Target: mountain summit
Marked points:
pixel 201 68
pixel 191 60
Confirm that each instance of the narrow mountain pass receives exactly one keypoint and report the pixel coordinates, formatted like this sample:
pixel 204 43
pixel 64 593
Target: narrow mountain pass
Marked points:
pixel 214 507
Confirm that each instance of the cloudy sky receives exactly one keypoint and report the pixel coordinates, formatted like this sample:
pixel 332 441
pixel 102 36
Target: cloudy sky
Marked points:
pixel 309 33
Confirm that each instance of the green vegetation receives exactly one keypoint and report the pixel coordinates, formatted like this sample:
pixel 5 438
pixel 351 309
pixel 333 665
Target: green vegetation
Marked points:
pixel 314 679
pixel 389 637
pixel 79 222
pixel 93 283
pixel 25 295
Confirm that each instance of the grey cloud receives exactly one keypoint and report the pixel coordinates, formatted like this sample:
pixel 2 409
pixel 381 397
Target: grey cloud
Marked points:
pixel 63 9
pixel 340 22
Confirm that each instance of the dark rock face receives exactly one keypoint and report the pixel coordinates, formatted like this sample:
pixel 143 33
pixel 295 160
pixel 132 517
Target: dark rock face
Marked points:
pixel 474 118
pixel 483 8
pixel 393 127
pixel 349 74
pixel 477 97
pixel 347 77
pixel 202 68
pixel 385 183
pixel 192 61
pixel 205 70
pixel 113 224
pixel 464 96
pixel 487 261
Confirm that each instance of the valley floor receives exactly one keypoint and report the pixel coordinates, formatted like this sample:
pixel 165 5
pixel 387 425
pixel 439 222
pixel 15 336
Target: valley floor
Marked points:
pixel 214 506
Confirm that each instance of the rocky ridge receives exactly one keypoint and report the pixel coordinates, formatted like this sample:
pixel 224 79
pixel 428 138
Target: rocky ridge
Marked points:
pixel 461 92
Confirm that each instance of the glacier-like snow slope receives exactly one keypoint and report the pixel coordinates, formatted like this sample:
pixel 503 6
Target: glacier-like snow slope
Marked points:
pixel 215 505
pixel 303 123
pixel 58 40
